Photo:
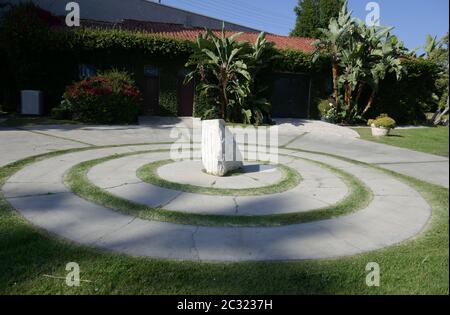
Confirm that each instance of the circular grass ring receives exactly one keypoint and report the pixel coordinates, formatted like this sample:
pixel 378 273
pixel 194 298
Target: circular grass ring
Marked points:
pixel 432 242
pixel 359 196
pixel 290 178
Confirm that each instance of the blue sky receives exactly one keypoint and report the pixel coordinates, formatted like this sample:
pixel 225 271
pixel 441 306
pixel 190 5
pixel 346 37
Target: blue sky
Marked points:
pixel 413 19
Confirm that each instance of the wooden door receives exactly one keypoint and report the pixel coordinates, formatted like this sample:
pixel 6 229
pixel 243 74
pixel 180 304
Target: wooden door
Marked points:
pixel 290 98
pixel 185 93
pixel 151 95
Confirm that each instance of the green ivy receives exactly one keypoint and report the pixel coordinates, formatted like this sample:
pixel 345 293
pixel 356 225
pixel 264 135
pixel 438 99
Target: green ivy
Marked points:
pixel 168 99
pixel 113 40
pixel 47 58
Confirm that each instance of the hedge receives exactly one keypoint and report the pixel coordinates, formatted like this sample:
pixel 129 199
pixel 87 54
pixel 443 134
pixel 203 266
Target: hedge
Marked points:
pixel 47 58
pixel 52 63
pixel 409 99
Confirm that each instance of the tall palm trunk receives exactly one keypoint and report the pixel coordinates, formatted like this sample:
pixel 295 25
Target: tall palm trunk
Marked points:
pixel 370 102
pixel 224 103
pixel 441 114
pixel 360 90
pixel 335 70
pixel 348 94
pixel 348 101
pixel 358 96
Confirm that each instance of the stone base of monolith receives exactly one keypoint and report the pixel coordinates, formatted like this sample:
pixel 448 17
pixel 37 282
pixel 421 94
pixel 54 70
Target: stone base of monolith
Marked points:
pixel 220 153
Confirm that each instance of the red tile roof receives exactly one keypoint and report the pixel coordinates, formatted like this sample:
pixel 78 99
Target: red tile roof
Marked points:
pixel 179 31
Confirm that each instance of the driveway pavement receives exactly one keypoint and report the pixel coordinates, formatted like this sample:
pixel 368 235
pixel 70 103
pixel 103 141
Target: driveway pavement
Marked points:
pixel 396 212
pixel 16 144
pixel 318 136
pixel 428 167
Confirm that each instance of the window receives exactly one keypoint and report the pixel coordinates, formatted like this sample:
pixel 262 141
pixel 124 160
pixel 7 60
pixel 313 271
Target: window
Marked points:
pixel 151 71
pixel 86 71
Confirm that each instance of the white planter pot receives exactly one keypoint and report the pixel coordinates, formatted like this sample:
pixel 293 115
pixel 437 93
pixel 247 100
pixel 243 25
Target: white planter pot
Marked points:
pixel 220 153
pixel 380 131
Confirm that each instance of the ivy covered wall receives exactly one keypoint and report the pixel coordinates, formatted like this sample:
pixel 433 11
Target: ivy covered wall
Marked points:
pixel 46 57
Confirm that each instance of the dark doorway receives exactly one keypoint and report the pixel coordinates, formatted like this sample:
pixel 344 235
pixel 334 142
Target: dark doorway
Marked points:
pixel 151 91
pixel 290 97
pixel 185 93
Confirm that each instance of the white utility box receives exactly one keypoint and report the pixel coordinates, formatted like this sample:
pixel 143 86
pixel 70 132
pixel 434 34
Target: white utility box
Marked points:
pixel 31 102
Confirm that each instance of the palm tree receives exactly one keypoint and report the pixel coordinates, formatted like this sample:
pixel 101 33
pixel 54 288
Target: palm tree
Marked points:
pixel 220 64
pixel 360 56
pixel 228 71
pixel 435 50
pixel 431 45
pixel 385 59
pixel 353 72
pixel 332 41
pixel 256 104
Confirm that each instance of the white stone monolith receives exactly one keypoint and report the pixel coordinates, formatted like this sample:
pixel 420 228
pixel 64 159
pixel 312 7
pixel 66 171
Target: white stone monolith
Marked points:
pixel 220 154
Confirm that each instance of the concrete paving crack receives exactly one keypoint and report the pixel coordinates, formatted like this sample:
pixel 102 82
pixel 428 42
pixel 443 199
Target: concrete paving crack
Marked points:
pixel 113 231
pixel 170 200
pixel 314 196
pixel 255 179
pixel 194 244
pixel 388 194
pixel 236 205
pixel 121 185
pixel 291 161
pixel 285 146
pixel 342 239
pixel 420 162
pixel 33 182
pixel 54 136
pixel 40 195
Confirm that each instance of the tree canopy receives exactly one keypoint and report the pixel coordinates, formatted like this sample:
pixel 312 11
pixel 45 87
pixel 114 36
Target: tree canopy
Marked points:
pixel 225 69
pixel 361 56
pixel 437 51
pixel 314 14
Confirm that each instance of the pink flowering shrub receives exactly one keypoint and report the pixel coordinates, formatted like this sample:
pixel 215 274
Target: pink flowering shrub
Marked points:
pixel 108 98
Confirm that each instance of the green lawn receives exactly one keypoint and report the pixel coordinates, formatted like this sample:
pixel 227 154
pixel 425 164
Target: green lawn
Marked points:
pixel 28 255
pixel 432 140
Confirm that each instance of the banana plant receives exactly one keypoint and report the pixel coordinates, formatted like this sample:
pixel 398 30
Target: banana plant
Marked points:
pixel 256 102
pixel 227 70
pixel 386 59
pixel 219 62
pixel 361 56
pixel 431 44
pixel 332 42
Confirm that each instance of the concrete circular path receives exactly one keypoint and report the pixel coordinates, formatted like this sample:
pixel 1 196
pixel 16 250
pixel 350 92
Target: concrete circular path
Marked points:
pixel 396 213
pixel 253 175
pixel 319 188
